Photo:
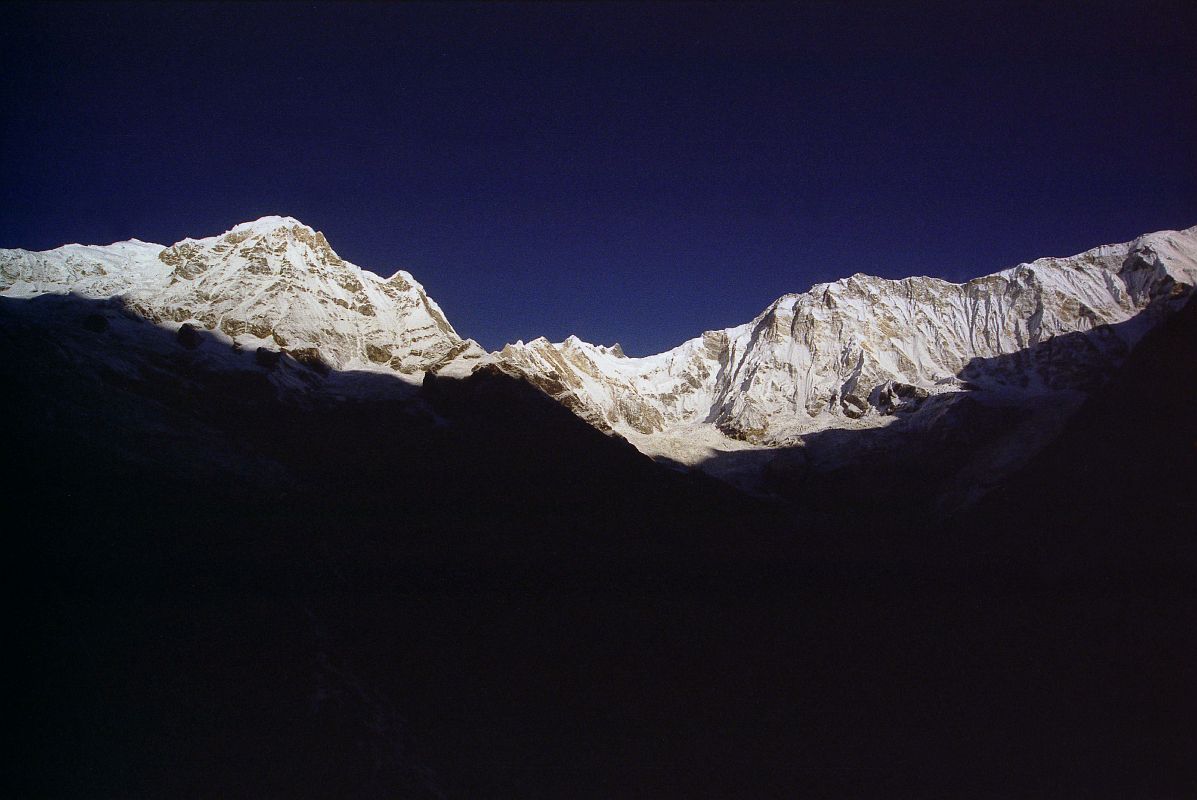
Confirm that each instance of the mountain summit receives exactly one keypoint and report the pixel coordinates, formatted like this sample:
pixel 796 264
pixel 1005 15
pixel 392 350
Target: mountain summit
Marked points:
pixel 272 283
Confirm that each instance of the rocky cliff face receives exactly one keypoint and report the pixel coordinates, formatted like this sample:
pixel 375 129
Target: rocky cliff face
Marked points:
pixel 855 352
pixel 273 284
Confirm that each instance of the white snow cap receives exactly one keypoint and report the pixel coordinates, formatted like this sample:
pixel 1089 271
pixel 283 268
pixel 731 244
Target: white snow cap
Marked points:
pixel 267 224
pixel 301 296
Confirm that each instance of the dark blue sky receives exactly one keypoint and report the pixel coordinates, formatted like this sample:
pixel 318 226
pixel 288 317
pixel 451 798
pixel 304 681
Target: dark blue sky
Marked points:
pixel 624 172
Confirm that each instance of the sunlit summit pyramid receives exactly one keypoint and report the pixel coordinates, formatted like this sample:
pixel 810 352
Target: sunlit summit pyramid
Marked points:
pixel 273 283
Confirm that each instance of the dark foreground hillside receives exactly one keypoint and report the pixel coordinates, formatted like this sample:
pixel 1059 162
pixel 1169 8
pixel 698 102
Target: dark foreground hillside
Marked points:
pixel 463 591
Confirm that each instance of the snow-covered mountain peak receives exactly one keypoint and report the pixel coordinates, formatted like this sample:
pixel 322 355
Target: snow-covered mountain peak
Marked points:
pixel 273 284
pixel 575 343
pixel 272 226
pixel 268 224
pixel 856 351
pixel 125 244
pixel 269 245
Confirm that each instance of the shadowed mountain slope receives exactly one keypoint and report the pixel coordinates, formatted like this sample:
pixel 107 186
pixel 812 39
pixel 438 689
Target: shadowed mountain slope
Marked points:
pixel 1118 486
pixel 364 587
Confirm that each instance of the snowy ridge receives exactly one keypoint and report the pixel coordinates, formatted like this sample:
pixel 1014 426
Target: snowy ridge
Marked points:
pixel 858 353
pixel 273 284
pixel 854 352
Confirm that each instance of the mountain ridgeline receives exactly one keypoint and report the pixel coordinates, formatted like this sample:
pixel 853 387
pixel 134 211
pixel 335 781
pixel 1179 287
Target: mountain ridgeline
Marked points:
pixel 885 362
pixel 275 529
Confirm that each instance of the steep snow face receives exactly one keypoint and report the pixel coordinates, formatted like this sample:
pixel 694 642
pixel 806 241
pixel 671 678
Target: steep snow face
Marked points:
pixel 854 352
pixel 273 283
